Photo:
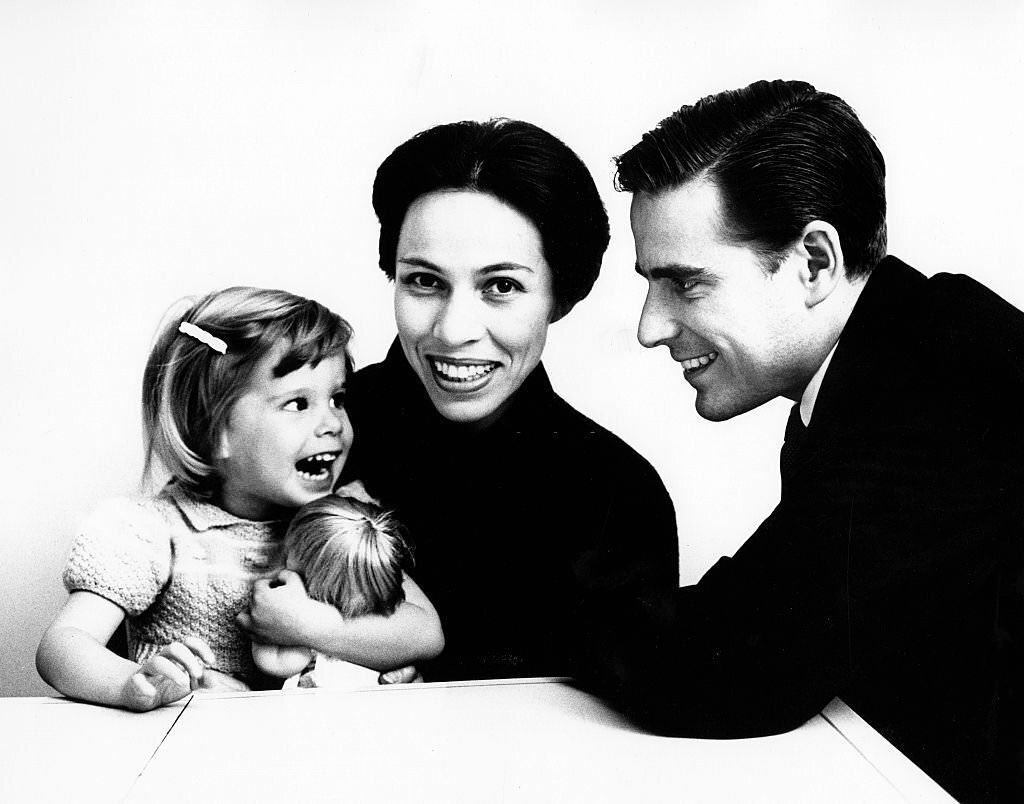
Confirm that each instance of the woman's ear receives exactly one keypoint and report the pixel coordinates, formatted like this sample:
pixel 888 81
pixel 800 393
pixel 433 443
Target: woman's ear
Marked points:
pixel 558 312
pixel 821 256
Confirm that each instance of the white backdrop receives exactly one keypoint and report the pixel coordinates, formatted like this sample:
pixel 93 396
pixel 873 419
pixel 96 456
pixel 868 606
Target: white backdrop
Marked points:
pixel 150 150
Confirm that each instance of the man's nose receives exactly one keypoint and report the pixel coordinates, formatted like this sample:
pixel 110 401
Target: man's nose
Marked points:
pixel 657 321
pixel 460 320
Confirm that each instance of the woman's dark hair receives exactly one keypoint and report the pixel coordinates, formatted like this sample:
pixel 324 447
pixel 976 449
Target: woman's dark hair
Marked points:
pixel 781 154
pixel 517 163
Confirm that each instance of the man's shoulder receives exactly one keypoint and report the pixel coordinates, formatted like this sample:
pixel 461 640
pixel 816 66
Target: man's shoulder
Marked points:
pixel 975 327
pixel 964 300
pixel 949 315
pixel 924 353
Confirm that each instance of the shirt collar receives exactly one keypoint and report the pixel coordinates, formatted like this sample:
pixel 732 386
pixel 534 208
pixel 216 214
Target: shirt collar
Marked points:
pixel 201 515
pixel 810 395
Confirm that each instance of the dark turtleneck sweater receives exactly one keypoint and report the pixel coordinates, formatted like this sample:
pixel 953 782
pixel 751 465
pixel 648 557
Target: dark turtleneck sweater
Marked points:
pixel 514 524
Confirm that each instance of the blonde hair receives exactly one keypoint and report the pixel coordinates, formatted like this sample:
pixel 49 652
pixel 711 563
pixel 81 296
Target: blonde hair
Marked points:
pixel 351 554
pixel 189 387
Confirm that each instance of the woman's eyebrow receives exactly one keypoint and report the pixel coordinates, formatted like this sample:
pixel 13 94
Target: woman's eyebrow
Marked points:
pixel 418 262
pixel 498 267
pixel 505 266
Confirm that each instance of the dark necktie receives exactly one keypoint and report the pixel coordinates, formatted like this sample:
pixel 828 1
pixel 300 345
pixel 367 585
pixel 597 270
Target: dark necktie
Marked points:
pixel 795 434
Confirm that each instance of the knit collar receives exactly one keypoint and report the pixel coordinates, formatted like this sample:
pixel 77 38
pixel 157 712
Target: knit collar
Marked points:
pixel 202 515
pixel 533 397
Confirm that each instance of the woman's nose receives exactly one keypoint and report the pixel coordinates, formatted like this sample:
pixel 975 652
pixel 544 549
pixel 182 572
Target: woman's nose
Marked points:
pixel 460 320
pixel 658 324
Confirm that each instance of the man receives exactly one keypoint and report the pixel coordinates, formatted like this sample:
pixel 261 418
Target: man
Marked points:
pixel 883 574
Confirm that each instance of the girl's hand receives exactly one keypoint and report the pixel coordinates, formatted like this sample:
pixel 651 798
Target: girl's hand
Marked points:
pixel 170 675
pixel 281 613
pixel 214 680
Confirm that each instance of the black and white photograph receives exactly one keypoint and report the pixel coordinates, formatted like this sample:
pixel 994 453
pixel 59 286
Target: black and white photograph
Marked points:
pixel 512 402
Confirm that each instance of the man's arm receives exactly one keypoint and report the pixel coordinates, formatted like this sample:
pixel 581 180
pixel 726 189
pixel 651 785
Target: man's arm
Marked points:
pixel 878 544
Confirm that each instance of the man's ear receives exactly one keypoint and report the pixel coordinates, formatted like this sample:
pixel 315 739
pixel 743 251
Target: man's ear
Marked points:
pixel 821 260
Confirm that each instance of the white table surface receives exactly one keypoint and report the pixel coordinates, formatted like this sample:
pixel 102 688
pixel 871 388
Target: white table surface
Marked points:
pixel 528 740
pixel 53 749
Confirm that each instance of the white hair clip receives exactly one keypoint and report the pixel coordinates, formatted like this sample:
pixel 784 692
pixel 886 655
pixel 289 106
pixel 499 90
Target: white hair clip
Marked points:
pixel 203 336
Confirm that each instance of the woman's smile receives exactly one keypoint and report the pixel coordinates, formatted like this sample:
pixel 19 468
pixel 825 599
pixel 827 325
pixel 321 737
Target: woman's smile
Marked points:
pixel 460 376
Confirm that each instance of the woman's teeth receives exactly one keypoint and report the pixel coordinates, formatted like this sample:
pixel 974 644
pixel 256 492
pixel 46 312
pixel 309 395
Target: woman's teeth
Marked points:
pixel 697 362
pixel 462 372
pixel 316 467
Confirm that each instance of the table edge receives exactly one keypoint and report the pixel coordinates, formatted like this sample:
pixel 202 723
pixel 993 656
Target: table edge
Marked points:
pixel 908 779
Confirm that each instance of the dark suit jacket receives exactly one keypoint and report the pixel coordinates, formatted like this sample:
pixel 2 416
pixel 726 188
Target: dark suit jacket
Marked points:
pixel 880 575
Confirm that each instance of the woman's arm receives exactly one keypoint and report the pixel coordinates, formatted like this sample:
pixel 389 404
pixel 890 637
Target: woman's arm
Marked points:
pixel 281 661
pixel 73 658
pixel 282 613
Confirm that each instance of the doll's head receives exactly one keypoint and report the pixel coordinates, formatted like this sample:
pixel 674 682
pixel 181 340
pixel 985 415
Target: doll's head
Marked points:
pixel 214 388
pixel 350 553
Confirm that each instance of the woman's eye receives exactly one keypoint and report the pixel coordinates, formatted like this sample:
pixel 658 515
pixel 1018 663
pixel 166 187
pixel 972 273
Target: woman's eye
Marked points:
pixel 422 281
pixel 502 286
pixel 299 404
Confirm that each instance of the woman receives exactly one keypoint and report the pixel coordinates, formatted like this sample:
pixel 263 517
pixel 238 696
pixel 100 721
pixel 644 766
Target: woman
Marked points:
pixel 519 506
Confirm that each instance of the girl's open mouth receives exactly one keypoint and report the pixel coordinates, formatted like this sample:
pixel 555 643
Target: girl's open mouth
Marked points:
pixel 317 468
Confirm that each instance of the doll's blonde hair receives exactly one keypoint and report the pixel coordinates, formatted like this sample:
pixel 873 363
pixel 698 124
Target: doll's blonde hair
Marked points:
pixel 351 554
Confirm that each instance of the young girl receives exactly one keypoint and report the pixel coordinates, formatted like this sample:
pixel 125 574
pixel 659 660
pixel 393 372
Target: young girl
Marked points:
pixel 243 405
pixel 352 555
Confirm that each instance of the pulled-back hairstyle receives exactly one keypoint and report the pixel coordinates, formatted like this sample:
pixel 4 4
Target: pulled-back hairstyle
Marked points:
pixel 521 165
pixel 350 553
pixel 189 388
pixel 781 154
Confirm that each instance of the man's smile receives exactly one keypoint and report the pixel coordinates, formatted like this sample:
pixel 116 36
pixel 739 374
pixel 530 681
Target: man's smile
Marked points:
pixel 700 361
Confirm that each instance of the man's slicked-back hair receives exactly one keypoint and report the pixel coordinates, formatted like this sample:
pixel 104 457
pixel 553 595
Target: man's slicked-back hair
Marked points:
pixel 521 165
pixel 781 154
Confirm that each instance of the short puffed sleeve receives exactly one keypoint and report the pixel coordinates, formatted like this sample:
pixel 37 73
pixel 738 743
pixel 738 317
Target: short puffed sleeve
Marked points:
pixel 122 553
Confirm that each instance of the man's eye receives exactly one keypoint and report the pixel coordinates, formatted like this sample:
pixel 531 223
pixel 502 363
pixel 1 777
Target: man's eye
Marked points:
pixel 299 404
